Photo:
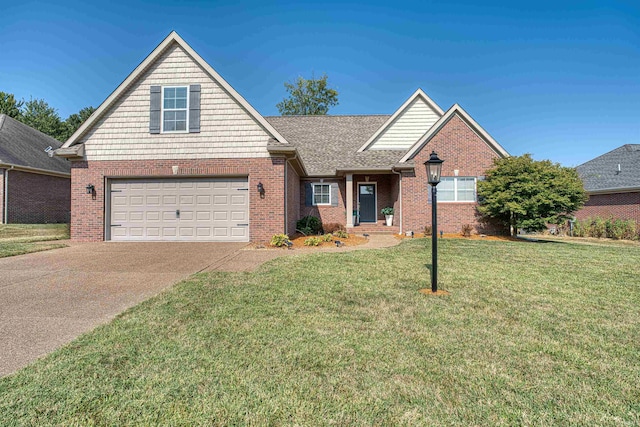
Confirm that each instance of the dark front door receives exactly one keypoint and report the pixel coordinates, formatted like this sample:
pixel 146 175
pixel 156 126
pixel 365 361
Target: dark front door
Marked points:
pixel 367 199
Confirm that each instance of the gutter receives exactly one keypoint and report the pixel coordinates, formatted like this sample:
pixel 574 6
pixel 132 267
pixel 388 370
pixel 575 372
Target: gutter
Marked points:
pixel 11 166
pixel 614 190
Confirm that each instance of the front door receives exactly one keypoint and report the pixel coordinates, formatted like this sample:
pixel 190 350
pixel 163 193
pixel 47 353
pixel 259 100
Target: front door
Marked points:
pixel 367 201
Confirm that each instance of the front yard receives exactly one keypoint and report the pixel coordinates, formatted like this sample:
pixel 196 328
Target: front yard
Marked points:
pixel 18 239
pixel 532 334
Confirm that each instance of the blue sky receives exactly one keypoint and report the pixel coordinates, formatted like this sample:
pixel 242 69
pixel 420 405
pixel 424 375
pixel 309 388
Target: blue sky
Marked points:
pixel 559 79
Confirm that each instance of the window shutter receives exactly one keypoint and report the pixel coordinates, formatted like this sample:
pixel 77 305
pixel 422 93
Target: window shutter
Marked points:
pixel 429 189
pixel 194 109
pixel 308 194
pixel 154 111
pixel 334 194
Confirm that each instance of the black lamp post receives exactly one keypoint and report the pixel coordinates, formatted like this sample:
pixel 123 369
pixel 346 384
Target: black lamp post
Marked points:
pixel 434 167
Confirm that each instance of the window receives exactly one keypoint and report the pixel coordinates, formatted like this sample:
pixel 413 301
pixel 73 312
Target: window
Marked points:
pixel 321 194
pixel 458 189
pixel 174 109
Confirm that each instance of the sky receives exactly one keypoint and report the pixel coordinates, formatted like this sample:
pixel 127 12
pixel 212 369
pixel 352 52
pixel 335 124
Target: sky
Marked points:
pixel 557 79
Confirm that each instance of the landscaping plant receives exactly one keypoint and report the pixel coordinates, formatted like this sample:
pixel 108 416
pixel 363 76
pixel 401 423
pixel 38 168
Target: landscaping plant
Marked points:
pixel 279 240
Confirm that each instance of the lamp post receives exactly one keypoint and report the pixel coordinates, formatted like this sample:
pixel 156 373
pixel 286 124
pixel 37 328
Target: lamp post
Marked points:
pixel 434 167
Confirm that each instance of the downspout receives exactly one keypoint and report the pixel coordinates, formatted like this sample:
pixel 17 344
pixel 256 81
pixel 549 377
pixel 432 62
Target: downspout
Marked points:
pixel 399 194
pixel 5 212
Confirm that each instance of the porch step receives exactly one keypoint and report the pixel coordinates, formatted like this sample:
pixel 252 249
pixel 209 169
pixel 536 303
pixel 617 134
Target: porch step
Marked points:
pixel 374 228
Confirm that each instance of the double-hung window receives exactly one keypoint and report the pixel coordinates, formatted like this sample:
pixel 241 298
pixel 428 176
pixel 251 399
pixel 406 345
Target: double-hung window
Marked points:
pixel 457 189
pixel 321 194
pixel 174 109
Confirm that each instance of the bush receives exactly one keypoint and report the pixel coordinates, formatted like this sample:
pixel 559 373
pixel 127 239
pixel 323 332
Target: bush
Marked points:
pixel 606 227
pixel 427 230
pixel 341 234
pixel 327 237
pixel 332 227
pixel 312 241
pixel 309 225
pixel 279 240
pixel 466 230
pixel 387 211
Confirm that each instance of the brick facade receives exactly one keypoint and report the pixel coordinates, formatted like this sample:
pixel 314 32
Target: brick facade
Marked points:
pixel 327 214
pixel 37 199
pixel 266 215
pixel 615 205
pixel 463 150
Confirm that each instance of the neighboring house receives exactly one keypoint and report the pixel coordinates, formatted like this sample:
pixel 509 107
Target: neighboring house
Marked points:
pixel 34 186
pixel 612 182
pixel 175 153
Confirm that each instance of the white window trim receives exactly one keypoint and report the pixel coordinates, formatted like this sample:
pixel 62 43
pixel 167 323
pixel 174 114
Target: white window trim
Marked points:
pixel 186 130
pixel 313 193
pixel 455 190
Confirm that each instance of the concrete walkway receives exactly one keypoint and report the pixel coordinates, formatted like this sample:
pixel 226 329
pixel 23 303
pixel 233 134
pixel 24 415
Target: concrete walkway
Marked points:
pixel 49 298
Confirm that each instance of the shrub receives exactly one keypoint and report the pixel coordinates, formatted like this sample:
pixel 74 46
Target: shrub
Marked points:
pixel 466 230
pixel 327 237
pixel 332 227
pixel 341 234
pixel 279 240
pixel 427 230
pixel 611 228
pixel 312 241
pixel 387 211
pixel 308 225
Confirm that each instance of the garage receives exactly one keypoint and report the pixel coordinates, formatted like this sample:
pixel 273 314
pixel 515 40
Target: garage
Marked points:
pixel 184 209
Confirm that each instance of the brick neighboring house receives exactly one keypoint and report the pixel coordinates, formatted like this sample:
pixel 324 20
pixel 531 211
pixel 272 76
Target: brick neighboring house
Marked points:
pixel 612 182
pixel 175 153
pixel 34 187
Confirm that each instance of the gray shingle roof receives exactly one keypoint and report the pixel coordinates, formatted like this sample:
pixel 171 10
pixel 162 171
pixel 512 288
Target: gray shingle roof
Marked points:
pixel 327 143
pixel 602 173
pixel 22 145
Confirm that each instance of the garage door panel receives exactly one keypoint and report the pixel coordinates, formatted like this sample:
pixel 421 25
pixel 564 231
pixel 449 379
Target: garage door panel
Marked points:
pixel 210 209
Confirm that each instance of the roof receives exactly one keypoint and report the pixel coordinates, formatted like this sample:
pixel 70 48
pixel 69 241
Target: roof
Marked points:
pixel 22 145
pixel 433 131
pixel 172 38
pixel 330 143
pixel 602 174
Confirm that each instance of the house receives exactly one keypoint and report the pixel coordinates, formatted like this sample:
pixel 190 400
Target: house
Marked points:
pixel 612 182
pixel 34 186
pixel 175 153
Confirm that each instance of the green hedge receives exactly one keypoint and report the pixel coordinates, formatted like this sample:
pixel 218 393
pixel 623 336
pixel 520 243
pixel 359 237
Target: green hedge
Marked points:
pixel 606 227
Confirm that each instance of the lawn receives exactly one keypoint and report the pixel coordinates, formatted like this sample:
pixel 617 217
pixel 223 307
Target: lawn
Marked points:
pixel 531 334
pixel 18 239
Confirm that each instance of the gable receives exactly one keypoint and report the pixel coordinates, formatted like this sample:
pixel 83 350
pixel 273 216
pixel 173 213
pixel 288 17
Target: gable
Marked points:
pixel 120 129
pixel 412 120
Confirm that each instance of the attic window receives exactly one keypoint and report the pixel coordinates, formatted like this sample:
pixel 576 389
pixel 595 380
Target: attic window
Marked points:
pixel 174 109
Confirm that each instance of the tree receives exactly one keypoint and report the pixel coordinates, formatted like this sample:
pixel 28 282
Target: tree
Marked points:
pixel 39 115
pixel 528 194
pixel 308 97
pixel 74 121
pixel 9 105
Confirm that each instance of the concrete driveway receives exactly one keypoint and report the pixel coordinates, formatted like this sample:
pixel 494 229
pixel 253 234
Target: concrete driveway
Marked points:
pixel 49 298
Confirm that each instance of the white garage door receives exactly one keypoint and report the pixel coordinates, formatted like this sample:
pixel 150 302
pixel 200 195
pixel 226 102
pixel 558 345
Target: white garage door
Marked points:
pixel 206 209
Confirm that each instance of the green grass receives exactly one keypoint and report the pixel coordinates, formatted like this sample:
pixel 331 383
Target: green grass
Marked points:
pixel 18 239
pixel 531 334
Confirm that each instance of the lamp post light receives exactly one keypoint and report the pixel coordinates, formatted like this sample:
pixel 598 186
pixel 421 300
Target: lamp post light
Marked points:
pixel 434 167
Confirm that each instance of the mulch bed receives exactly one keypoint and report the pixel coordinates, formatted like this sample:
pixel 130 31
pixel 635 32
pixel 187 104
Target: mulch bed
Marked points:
pixel 298 242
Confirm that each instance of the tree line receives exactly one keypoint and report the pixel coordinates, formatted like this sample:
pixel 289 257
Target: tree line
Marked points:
pixel 38 114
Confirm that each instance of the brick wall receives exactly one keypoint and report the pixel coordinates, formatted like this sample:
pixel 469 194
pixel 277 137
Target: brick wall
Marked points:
pixel 462 149
pixel 617 205
pixel 37 199
pixel 1 196
pixel 327 214
pixel 293 199
pixel 266 215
